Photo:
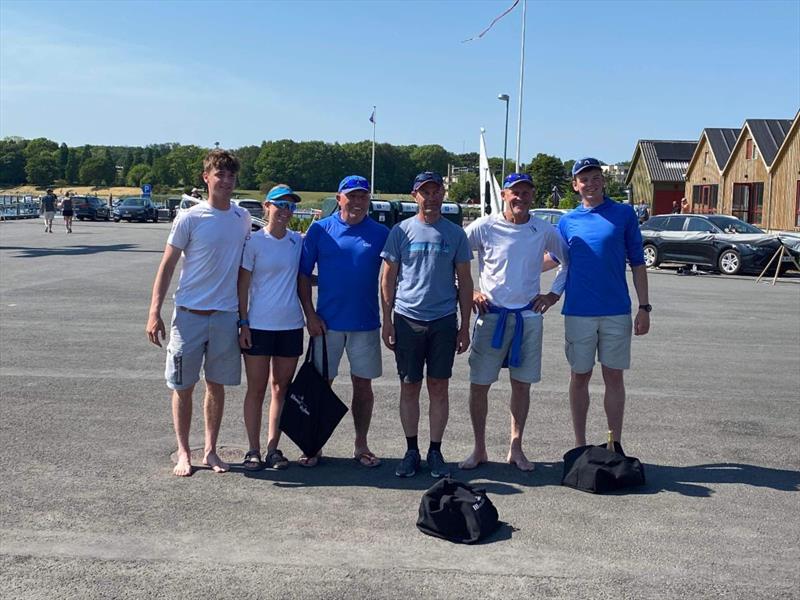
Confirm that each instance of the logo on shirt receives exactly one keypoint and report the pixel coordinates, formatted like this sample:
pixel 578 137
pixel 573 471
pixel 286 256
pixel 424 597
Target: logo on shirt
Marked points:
pixel 428 248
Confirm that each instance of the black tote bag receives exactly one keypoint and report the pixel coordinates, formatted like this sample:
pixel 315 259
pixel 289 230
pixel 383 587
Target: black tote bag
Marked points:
pixel 311 410
pixel 598 470
pixel 457 512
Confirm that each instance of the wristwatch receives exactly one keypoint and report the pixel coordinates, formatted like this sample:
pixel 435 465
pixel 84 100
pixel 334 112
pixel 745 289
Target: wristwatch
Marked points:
pixel 243 322
pixel 645 307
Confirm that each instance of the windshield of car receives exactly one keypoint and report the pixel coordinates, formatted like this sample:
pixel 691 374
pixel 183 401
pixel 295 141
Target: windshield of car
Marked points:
pixel 133 202
pixel 734 225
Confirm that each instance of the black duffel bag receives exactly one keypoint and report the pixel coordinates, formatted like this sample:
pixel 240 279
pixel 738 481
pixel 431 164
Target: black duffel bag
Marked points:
pixel 455 511
pixel 597 469
pixel 311 410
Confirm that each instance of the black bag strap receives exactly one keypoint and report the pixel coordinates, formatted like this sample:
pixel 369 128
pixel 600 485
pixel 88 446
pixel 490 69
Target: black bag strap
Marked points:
pixel 310 355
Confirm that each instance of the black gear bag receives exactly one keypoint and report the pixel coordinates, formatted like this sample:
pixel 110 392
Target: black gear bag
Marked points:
pixel 457 512
pixel 598 470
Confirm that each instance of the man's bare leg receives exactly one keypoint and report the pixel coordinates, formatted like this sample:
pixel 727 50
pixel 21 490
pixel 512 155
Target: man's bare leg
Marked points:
pixel 439 410
pixel 182 421
pixel 614 399
pixel 579 404
pixel 213 406
pixel 363 403
pixel 478 409
pixel 257 372
pixel 409 407
pixel 520 403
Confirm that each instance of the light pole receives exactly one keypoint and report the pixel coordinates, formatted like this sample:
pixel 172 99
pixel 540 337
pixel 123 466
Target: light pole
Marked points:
pixel 504 98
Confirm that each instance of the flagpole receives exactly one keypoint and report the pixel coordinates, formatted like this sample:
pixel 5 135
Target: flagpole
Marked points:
pixel 521 77
pixel 372 178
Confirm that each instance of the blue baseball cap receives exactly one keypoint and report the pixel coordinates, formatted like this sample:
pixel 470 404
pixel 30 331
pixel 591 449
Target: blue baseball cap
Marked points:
pixel 424 178
pixel 513 179
pixel 583 164
pixel 280 192
pixel 352 183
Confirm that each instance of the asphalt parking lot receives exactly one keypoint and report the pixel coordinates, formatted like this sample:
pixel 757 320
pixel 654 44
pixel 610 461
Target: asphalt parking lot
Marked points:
pixel 89 508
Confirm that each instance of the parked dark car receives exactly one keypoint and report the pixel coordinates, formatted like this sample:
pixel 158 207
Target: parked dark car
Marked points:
pixel 720 242
pixel 551 215
pixel 136 208
pixel 90 207
pixel 254 207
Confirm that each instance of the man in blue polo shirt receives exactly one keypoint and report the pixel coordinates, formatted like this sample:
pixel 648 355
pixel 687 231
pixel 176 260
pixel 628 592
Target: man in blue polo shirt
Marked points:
pixel 345 248
pixel 602 236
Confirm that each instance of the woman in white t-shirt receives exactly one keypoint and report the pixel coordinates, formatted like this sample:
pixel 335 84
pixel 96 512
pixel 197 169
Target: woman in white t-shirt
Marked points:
pixel 271 322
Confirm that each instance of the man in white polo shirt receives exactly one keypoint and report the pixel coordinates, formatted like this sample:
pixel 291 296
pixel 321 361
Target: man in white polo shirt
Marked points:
pixel 204 333
pixel 508 332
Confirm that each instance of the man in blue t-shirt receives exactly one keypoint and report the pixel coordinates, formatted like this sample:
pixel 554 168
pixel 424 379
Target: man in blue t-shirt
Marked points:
pixel 602 236
pixel 345 248
pixel 424 254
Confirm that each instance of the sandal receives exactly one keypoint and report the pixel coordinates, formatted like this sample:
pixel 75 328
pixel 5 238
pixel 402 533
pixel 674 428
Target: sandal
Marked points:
pixel 252 460
pixel 274 459
pixel 309 461
pixel 367 459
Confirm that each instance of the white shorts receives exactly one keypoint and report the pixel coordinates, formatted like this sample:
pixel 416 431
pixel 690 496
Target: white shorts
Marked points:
pixel 363 352
pixel 485 362
pixel 192 338
pixel 607 337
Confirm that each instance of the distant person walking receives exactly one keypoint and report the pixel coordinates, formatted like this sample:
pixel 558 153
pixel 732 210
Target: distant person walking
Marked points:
pixel 49 210
pixel 210 236
pixel 271 322
pixel 685 206
pixel 508 332
pixel 676 207
pixel 346 250
pixel 424 257
pixel 642 212
pixel 68 212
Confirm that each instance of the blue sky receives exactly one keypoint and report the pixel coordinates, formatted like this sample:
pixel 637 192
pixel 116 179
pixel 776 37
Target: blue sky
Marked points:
pixel 598 75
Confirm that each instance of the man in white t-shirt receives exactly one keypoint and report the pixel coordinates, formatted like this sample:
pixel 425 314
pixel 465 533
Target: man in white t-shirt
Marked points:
pixel 204 332
pixel 510 247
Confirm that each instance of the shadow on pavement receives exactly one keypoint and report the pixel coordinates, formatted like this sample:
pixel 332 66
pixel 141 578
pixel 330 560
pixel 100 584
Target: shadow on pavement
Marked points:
pixel 28 252
pixel 688 480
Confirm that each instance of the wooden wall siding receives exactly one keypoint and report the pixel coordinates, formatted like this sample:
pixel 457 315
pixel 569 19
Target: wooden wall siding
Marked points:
pixel 642 186
pixel 736 169
pixel 698 170
pixel 785 175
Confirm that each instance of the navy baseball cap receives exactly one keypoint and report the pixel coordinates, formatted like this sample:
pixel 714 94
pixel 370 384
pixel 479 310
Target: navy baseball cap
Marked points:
pixel 513 179
pixel 424 178
pixel 353 182
pixel 282 192
pixel 583 164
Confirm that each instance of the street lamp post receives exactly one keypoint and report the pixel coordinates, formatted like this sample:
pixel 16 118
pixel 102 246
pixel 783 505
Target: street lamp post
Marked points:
pixel 504 98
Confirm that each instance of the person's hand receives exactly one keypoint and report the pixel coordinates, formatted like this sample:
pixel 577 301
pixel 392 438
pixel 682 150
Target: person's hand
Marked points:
pixel 641 324
pixel 155 329
pixel 315 325
pixel 462 340
pixel 541 302
pixel 245 338
pixel 387 333
pixel 480 302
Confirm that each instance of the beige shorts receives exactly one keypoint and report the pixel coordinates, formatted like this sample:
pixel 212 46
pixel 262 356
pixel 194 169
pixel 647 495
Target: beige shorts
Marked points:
pixel 485 362
pixel 363 352
pixel 609 338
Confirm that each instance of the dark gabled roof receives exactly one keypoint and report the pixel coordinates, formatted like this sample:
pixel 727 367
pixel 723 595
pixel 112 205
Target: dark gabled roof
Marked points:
pixel 722 141
pixel 666 160
pixel 787 140
pixel 769 135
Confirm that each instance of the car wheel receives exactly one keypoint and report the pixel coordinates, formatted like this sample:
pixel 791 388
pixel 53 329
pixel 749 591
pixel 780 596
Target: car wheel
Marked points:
pixel 80 218
pixel 106 218
pixel 155 218
pixel 116 220
pixel 729 262
pixel 93 218
pixel 651 256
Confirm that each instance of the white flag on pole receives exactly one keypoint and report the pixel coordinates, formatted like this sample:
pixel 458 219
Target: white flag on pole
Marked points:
pixel 496 202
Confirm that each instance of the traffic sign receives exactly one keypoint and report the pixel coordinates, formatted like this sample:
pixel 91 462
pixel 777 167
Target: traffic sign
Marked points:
pixel 147 190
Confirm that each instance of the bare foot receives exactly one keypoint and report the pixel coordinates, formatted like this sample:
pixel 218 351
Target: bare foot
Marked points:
pixel 473 460
pixel 215 462
pixel 519 460
pixel 184 466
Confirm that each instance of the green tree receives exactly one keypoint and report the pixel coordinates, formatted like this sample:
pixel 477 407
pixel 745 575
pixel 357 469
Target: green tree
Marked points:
pixel 42 168
pixel 72 168
pixel 431 158
pixel 139 174
pixel 63 156
pixel 93 171
pixel 161 174
pixel 547 171
pixel 465 189
pixel 248 176
pixel 40 146
pixel 12 161
pixel 186 164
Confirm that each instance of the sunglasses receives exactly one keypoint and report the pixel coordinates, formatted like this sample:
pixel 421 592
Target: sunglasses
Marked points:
pixel 284 204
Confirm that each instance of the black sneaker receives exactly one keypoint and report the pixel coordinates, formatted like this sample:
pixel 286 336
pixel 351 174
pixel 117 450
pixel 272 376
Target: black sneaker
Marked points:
pixel 409 465
pixel 436 464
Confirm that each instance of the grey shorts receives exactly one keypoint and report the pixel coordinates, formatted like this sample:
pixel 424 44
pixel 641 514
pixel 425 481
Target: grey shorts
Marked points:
pixel 363 352
pixel 607 337
pixel 421 343
pixel 49 215
pixel 485 362
pixel 194 338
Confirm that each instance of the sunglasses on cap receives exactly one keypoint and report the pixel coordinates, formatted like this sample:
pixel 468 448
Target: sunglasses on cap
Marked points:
pixel 284 204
